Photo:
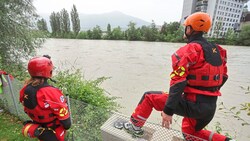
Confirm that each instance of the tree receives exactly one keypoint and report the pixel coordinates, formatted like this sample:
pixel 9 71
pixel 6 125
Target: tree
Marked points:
pixel 170 28
pixel 42 25
pixel 244 36
pixel 230 37
pixel 171 32
pixel 65 22
pixel 164 28
pixel 132 33
pixel 150 33
pixel 18 39
pixel 97 33
pixel 218 28
pixel 75 20
pixel 89 34
pixel 55 23
pixel 117 34
pixel 178 35
pixel 109 33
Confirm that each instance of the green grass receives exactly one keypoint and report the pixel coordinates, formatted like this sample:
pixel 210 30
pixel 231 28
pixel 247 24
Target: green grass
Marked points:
pixel 11 128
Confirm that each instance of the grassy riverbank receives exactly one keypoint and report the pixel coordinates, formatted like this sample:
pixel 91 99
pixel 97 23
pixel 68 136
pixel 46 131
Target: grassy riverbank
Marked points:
pixel 10 128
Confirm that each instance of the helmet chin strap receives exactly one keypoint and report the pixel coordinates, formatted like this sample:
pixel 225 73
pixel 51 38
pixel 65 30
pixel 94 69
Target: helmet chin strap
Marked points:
pixel 52 80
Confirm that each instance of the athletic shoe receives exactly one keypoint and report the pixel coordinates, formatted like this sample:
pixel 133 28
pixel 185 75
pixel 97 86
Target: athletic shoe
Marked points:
pixel 136 131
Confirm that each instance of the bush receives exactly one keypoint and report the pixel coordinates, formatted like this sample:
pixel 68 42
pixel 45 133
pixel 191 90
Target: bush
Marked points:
pixel 90 106
pixel 89 91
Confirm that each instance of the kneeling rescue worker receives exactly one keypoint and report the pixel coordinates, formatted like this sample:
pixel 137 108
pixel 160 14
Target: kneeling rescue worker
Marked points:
pixel 43 103
pixel 199 71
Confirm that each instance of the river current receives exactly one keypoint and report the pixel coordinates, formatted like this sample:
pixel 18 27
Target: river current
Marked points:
pixel 136 67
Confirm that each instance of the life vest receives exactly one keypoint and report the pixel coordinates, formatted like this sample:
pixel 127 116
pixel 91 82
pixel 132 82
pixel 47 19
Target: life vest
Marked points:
pixel 31 107
pixel 209 76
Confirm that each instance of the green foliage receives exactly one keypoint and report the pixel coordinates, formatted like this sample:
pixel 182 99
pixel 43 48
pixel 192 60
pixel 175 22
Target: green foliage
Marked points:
pixel 231 37
pixel 10 128
pixel 133 33
pixel 96 33
pixel 65 22
pixel 55 23
pixel 82 35
pixel 149 33
pixel 109 33
pixel 75 20
pixel 172 32
pixel 178 35
pixel 117 34
pixel 87 121
pixel 244 36
pixel 217 29
pixel 246 106
pixel 76 87
pixel 18 38
pixel 218 128
pixel 169 32
pixel 233 111
pixel 170 28
pixel 42 25
pixel 90 106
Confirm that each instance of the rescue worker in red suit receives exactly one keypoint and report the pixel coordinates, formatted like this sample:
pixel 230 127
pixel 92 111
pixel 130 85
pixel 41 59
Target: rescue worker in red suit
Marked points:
pixel 43 103
pixel 199 71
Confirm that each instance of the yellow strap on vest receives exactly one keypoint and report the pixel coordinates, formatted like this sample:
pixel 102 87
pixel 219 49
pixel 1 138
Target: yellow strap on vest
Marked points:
pixel 25 132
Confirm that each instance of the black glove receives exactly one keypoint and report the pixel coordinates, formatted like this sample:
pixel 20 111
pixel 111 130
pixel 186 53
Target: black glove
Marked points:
pixel 27 121
pixel 47 56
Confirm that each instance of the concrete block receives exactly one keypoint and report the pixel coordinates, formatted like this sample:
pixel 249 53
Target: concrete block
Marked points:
pixel 152 132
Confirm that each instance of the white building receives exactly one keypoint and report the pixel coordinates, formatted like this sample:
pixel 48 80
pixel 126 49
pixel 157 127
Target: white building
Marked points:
pixel 225 14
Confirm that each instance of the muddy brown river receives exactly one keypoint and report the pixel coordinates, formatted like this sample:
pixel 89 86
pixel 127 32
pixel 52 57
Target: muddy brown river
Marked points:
pixel 136 67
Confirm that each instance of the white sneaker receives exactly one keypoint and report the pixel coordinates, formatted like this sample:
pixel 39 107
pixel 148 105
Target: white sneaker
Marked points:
pixel 130 129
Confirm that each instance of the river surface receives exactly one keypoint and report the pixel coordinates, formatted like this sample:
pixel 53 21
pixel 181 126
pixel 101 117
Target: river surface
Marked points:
pixel 136 67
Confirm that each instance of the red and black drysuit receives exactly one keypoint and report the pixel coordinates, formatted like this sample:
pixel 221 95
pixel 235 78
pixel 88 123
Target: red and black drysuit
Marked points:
pixel 199 71
pixel 46 106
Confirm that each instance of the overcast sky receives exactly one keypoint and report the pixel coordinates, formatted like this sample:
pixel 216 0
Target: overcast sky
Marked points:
pixel 148 10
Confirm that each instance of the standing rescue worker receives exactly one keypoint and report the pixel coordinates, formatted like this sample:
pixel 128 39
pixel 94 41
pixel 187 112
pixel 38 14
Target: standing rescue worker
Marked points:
pixel 199 71
pixel 43 103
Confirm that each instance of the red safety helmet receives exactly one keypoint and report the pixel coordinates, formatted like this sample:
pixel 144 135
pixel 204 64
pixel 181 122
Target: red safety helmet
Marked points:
pixel 40 67
pixel 199 21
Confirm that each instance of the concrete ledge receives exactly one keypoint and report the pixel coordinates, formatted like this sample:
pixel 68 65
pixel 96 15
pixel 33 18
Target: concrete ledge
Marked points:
pixel 152 132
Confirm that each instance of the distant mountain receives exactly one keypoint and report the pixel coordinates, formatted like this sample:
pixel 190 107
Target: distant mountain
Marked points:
pixel 115 19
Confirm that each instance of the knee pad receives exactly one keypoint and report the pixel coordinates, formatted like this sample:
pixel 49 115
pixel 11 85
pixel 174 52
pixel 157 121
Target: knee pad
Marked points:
pixel 31 130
